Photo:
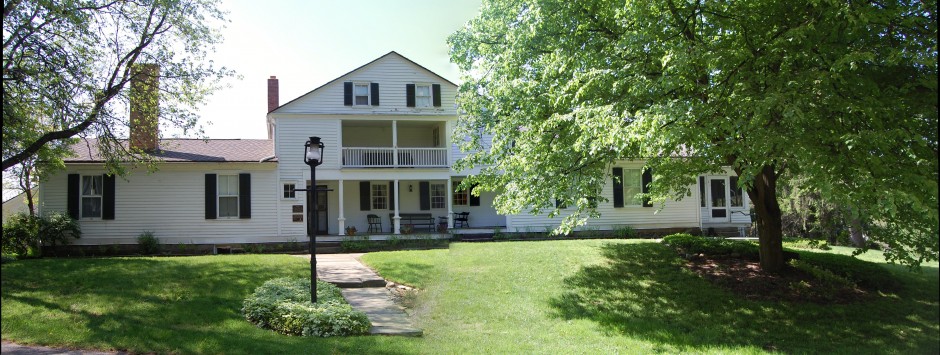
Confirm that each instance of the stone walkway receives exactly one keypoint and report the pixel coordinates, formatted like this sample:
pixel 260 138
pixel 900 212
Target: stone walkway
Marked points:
pixel 365 290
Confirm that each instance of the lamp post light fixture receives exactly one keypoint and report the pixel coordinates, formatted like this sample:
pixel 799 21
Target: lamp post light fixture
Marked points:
pixel 313 156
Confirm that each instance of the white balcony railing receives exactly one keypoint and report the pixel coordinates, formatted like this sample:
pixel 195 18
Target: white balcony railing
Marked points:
pixel 395 157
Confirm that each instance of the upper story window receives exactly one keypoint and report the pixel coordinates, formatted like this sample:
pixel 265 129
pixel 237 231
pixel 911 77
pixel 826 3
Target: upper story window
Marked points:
pixel 228 195
pixel 423 95
pixel 361 94
pixel 92 193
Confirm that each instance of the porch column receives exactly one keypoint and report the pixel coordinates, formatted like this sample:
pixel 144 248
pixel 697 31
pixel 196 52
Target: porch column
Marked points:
pixel 395 148
pixel 342 217
pixel 396 221
pixel 450 203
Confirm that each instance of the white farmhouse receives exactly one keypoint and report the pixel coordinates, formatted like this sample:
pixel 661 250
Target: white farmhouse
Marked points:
pixel 386 127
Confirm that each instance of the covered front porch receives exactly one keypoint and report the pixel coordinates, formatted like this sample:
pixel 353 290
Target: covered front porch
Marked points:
pixel 393 207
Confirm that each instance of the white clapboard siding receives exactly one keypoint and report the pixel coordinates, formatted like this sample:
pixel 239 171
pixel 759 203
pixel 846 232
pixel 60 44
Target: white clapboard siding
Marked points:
pixel 392 72
pixel 171 204
pixel 294 132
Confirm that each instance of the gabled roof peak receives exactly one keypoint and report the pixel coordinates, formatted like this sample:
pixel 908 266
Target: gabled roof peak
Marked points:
pixel 357 69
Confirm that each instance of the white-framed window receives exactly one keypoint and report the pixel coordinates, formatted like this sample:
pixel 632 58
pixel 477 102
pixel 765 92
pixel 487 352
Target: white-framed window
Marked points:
pixel 461 197
pixel 290 190
pixel 379 197
pixel 438 196
pixel 228 195
pixel 632 185
pixel 360 94
pixel 423 95
pixel 92 189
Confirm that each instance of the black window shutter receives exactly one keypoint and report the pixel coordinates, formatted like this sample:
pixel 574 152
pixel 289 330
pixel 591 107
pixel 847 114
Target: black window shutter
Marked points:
pixel 618 187
pixel 375 94
pixel 210 196
pixel 391 195
pixel 244 196
pixel 474 200
pixel 73 197
pixel 365 196
pixel 410 95
pixel 107 208
pixel 425 188
pixel 647 179
pixel 347 93
pixel 701 190
pixel 436 88
pixel 559 205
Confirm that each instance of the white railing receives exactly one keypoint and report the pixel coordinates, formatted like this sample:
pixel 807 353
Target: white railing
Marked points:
pixel 394 157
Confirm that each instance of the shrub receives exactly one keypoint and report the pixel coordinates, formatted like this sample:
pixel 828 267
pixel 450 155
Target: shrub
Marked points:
pixel 865 274
pixel 23 232
pixel 283 305
pixel 625 232
pixel 148 244
pixel 690 244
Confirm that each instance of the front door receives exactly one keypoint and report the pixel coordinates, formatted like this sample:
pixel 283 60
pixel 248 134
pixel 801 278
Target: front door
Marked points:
pixel 718 199
pixel 323 222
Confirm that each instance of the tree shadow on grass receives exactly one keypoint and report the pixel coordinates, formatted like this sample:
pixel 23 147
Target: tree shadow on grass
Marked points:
pixel 643 291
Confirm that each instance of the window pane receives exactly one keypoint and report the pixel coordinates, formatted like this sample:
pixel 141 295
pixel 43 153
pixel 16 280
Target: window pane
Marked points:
pixel 380 197
pixel 289 191
pixel 423 101
pixel 91 207
pixel 228 206
pixel 718 193
pixel 361 90
pixel 631 187
pixel 228 185
pixel 438 196
pixel 737 198
pixel 423 91
pixel 91 185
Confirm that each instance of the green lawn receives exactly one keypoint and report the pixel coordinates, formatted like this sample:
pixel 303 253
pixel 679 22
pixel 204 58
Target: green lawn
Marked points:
pixel 595 296
pixel 587 296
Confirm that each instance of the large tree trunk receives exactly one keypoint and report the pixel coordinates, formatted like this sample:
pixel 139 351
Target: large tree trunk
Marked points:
pixel 763 193
pixel 857 233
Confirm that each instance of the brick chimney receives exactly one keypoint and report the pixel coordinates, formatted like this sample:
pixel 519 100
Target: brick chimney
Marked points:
pixel 273 96
pixel 145 107
pixel 273 103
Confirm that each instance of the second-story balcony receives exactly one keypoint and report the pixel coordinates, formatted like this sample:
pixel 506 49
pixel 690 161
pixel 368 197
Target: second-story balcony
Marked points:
pixel 394 144
pixel 369 157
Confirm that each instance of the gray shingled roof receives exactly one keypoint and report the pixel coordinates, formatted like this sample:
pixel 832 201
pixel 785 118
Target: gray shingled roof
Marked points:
pixel 191 150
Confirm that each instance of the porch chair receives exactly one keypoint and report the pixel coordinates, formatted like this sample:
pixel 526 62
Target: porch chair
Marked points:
pixel 462 220
pixel 375 223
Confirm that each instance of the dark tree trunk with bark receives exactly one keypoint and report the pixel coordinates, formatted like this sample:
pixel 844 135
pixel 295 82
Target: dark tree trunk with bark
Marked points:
pixel 763 194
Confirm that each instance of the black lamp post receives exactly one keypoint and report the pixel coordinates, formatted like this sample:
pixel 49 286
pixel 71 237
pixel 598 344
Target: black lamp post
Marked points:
pixel 313 156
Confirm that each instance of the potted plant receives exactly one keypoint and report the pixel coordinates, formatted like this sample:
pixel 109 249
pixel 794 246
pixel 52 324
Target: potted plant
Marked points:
pixel 351 230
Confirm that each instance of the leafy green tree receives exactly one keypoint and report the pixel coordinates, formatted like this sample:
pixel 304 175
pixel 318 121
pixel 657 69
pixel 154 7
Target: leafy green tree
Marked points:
pixel 66 65
pixel 843 93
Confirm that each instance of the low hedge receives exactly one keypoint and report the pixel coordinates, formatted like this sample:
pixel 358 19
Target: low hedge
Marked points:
pixel 712 247
pixel 283 305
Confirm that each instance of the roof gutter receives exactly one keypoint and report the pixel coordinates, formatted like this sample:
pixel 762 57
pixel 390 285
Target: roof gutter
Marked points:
pixel 267 158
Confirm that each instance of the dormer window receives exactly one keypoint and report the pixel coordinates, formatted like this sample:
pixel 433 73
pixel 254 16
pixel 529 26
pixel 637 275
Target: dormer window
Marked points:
pixel 361 94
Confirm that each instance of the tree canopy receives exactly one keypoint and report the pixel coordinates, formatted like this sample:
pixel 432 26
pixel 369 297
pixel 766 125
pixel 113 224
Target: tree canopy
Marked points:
pixel 840 93
pixel 66 65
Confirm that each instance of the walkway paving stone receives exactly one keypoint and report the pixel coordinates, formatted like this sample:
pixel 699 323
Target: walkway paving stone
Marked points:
pixel 365 290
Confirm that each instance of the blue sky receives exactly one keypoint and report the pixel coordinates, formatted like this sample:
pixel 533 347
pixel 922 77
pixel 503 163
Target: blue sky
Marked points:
pixel 308 43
